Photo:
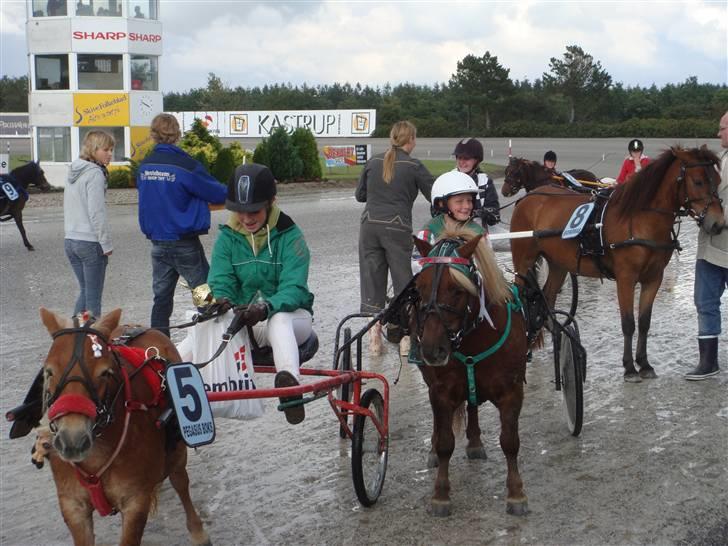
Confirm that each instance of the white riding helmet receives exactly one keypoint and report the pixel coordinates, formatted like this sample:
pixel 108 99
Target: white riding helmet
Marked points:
pixel 449 184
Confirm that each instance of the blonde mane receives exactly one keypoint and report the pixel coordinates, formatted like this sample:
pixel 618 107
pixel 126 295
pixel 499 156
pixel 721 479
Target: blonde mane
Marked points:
pixel 495 285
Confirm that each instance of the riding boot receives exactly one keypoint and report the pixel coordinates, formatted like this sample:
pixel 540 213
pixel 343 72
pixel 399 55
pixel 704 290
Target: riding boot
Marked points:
pixel 708 365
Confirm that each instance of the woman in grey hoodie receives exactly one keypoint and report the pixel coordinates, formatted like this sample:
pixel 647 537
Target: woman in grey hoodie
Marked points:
pixel 87 241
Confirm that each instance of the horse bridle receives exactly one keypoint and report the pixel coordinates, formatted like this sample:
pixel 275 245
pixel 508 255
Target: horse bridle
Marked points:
pixel 686 204
pixel 434 307
pixel 99 408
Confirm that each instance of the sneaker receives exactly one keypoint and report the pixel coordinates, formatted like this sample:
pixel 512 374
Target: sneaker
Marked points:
pixel 294 414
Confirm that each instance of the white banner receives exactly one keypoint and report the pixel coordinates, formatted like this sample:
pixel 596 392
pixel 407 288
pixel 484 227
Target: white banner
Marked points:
pixel 260 124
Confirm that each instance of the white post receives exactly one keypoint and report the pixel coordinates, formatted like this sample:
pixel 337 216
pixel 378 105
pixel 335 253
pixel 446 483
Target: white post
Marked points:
pixel 510 151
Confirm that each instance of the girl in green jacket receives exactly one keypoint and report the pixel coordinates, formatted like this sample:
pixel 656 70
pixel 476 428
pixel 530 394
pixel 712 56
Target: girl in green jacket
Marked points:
pixel 261 259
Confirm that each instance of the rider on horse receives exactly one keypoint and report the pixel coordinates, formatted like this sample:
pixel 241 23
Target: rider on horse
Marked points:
pixel 260 258
pixel 469 155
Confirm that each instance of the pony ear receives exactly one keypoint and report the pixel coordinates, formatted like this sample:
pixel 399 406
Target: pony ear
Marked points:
pixel 52 321
pixel 423 247
pixel 109 321
pixel 466 250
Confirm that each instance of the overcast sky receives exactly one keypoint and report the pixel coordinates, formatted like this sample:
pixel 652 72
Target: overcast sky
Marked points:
pixel 258 43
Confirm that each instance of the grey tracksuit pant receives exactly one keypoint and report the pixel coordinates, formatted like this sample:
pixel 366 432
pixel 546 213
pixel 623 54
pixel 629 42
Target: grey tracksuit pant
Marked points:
pixel 384 247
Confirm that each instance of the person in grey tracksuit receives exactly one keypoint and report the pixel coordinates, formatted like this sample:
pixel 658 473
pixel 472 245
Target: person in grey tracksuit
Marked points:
pixel 389 185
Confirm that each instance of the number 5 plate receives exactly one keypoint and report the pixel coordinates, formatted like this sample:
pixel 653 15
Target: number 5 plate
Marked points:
pixel 191 405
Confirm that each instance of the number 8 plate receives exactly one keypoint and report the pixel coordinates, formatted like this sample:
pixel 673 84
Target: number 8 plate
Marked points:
pixel 191 405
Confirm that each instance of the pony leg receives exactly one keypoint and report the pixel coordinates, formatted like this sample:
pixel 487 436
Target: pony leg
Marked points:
pixel 134 519
pixel 181 482
pixel 19 222
pixel 444 447
pixel 78 516
pixel 625 293
pixel 510 409
pixel 647 298
pixel 475 448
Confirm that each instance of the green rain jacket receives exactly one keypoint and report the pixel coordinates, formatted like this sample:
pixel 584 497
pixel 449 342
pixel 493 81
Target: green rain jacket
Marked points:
pixel 273 261
pixel 436 226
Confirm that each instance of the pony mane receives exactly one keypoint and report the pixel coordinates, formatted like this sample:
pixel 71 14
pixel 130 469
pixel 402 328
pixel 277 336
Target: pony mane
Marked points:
pixel 640 190
pixel 494 283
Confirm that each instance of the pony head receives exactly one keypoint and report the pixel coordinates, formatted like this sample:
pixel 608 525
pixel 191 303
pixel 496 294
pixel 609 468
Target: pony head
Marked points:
pixel 81 381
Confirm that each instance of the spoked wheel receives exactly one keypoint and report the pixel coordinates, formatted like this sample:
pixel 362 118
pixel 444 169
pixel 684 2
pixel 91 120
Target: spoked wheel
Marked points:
pixel 571 375
pixel 344 391
pixel 368 454
pixel 567 298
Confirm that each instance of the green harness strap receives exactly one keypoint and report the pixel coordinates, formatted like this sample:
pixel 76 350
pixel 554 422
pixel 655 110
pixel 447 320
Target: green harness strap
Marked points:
pixel 471 361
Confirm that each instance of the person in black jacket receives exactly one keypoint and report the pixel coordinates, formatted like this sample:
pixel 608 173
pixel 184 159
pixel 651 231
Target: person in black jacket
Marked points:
pixel 469 154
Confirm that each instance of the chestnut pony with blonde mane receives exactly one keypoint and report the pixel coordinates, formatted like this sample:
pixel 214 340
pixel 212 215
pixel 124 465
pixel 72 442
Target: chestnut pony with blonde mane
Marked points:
pixel 102 416
pixel 474 349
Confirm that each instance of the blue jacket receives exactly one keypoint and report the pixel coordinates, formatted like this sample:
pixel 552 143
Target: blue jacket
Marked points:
pixel 174 192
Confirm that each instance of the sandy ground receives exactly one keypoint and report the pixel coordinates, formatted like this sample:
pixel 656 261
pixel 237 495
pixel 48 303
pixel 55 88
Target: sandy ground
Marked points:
pixel 650 467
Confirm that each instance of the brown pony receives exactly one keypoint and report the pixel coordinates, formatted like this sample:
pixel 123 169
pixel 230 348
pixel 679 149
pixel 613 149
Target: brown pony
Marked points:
pixel 523 173
pixel 103 427
pixel 638 237
pixel 21 178
pixel 468 359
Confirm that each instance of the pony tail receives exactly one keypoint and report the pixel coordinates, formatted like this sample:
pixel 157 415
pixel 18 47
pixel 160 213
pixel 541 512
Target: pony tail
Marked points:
pixel 495 284
pixel 388 171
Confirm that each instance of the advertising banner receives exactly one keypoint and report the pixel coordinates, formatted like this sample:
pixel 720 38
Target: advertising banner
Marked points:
pixel 346 156
pixel 260 124
pixel 100 109
pixel 141 141
pixel 14 126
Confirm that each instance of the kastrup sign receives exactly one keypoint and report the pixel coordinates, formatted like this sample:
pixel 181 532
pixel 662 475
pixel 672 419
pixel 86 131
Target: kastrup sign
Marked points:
pixel 116 36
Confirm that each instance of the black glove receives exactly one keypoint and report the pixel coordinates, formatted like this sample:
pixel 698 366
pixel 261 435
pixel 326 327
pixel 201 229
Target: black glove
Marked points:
pixel 255 313
pixel 490 215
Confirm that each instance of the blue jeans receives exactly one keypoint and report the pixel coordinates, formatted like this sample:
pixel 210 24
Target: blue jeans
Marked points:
pixel 89 265
pixel 170 259
pixel 710 282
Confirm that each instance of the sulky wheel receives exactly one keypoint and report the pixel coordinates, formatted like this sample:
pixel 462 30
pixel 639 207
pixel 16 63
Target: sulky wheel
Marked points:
pixel 369 454
pixel 571 360
pixel 345 389
pixel 567 298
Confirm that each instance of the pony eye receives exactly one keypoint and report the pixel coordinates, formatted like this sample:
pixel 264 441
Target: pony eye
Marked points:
pixel 107 373
pixel 48 372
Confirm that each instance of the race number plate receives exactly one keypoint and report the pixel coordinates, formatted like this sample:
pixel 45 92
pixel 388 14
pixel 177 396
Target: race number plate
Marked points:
pixel 577 221
pixel 191 405
pixel 573 181
pixel 9 190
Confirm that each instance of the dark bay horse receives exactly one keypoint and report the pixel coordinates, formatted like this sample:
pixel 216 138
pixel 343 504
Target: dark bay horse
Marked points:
pixel 638 237
pixel 523 173
pixel 105 451
pixel 21 178
pixel 468 359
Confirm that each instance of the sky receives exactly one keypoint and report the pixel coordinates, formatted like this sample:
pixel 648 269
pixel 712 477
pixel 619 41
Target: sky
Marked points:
pixel 249 43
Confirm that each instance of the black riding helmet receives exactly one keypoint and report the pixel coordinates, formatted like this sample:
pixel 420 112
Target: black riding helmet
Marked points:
pixel 635 145
pixel 549 156
pixel 250 188
pixel 469 147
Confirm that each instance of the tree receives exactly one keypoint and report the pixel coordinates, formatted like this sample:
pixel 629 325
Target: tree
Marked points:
pixel 578 78
pixel 14 94
pixel 480 81
pixel 283 157
pixel 304 141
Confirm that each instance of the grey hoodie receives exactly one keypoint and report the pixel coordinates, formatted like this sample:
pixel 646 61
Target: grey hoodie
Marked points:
pixel 714 248
pixel 84 205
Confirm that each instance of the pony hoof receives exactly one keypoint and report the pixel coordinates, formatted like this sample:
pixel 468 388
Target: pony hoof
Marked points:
pixel 440 509
pixel 30 248
pixel 476 453
pixel 632 378
pixel 432 461
pixel 517 508
pixel 648 373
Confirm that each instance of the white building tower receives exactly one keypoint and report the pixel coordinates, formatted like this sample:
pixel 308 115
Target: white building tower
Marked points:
pixel 94 64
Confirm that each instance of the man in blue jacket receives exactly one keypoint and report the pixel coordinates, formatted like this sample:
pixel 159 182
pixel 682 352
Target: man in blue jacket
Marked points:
pixel 174 193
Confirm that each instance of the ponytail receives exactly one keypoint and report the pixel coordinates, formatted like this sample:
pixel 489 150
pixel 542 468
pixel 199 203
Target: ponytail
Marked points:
pixel 402 132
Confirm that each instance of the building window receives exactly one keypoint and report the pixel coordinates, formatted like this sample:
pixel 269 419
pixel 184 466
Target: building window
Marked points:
pixel 49 8
pixel 99 8
pixel 54 144
pixel 116 132
pixel 144 9
pixel 144 73
pixel 100 72
pixel 51 72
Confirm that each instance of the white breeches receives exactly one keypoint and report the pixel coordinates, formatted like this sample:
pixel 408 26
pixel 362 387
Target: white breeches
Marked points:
pixel 284 332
